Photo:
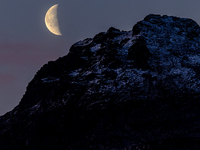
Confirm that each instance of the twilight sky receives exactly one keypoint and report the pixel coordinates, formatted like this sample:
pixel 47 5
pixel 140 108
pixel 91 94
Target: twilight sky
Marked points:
pixel 26 44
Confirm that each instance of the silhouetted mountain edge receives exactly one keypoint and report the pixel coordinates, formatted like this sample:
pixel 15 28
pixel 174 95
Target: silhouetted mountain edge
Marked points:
pixel 137 89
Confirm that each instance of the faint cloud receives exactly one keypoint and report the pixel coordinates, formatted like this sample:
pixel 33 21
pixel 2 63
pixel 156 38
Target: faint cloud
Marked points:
pixel 30 53
pixel 6 79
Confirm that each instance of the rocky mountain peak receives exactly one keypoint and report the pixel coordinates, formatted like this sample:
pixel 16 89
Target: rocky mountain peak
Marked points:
pixel 117 90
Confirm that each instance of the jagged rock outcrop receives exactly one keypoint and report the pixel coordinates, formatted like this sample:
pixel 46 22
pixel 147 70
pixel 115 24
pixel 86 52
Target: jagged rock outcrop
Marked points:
pixel 118 90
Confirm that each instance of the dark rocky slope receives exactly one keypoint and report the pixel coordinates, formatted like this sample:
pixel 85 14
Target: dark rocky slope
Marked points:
pixel 118 90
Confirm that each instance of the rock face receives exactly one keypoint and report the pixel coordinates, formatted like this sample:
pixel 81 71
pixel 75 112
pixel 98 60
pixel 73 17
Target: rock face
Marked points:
pixel 118 90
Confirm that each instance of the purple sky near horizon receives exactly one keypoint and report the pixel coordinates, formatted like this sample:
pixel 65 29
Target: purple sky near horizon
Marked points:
pixel 26 44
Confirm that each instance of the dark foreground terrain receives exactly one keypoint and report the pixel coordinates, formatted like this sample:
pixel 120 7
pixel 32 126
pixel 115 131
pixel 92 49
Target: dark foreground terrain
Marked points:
pixel 137 89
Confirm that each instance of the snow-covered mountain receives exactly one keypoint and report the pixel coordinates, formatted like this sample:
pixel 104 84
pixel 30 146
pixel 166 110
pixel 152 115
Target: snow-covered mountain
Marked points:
pixel 118 90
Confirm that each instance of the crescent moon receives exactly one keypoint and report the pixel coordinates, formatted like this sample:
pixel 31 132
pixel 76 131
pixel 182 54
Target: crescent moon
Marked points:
pixel 51 20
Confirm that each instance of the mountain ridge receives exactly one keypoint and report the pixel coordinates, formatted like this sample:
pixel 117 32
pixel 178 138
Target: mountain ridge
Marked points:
pixel 117 90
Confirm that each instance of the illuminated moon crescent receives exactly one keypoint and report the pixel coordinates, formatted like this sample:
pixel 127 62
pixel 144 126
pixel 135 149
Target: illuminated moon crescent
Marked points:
pixel 51 20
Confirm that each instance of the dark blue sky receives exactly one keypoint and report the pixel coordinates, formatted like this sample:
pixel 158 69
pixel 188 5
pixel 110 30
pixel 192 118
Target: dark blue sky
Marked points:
pixel 26 44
